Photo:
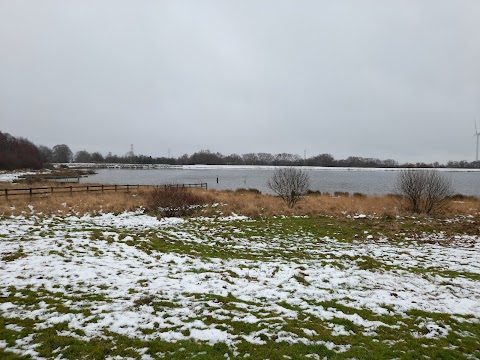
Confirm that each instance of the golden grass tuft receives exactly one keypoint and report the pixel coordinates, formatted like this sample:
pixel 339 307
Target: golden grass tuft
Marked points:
pixel 253 204
pixel 246 203
pixel 77 203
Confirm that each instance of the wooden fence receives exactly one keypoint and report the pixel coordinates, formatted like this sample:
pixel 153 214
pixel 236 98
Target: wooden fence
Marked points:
pixel 64 179
pixel 86 188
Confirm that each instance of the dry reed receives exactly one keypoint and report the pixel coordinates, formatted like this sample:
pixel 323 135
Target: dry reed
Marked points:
pixel 246 203
pixel 251 204
pixel 76 203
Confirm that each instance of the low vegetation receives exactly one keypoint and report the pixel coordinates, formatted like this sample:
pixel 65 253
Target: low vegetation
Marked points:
pixel 111 275
pixel 248 202
pixel 290 183
pixel 424 191
pixel 171 200
pixel 278 285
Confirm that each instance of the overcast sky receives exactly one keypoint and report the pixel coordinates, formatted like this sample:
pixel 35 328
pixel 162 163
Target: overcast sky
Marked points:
pixel 387 79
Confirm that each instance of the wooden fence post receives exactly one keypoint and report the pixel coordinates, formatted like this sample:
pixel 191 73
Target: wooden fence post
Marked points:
pixel 129 188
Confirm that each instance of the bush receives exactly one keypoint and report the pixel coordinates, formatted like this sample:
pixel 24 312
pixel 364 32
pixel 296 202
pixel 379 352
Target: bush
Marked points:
pixel 461 197
pixel 424 191
pixel 170 201
pixel 290 184
pixel 248 191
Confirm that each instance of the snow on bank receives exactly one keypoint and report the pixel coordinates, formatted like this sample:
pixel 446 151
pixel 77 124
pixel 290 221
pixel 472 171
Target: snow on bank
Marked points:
pixel 8 176
pixel 260 167
pixel 97 256
pixel 314 168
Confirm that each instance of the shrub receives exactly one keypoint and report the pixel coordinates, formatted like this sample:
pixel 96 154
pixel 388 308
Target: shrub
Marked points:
pixel 461 197
pixel 248 191
pixel 290 184
pixel 425 191
pixel 170 201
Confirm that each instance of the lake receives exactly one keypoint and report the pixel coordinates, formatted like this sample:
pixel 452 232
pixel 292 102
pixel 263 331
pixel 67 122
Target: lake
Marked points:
pixel 366 181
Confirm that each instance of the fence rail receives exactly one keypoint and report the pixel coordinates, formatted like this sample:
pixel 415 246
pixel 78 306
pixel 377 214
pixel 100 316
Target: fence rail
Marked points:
pixel 85 188
pixel 59 178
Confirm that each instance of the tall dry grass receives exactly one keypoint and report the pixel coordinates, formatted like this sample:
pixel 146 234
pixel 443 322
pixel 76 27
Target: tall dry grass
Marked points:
pixel 240 202
pixel 254 204
pixel 76 203
pixel 251 204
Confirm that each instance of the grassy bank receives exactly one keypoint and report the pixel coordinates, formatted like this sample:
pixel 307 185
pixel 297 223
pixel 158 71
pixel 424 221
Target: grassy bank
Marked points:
pixel 82 278
pixel 244 202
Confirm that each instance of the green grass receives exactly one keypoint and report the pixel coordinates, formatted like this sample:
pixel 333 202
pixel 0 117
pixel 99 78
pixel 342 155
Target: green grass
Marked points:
pixel 342 334
pixel 388 343
pixel 12 256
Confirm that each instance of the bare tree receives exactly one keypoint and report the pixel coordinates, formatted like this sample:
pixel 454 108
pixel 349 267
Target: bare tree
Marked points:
pixel 97 157
pixel 425 191
pixel 46 154
pixel 438 191
pixel 409 186
pixel 290 184
pixel 18 153
pixel 82 156
pixel 207 157
pixel 62 154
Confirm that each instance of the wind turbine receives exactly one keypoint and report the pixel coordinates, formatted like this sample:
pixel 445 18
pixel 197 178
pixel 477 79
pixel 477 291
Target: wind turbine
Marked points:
pixel 477 134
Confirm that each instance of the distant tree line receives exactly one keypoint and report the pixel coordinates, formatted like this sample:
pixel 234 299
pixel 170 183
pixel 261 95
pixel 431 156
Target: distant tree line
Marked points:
pixel 206 157
pixel 17 153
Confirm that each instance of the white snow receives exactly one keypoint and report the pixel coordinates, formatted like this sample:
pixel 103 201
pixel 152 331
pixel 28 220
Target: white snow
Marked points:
pixel 8 176
pixel 312 168
pixel 62 256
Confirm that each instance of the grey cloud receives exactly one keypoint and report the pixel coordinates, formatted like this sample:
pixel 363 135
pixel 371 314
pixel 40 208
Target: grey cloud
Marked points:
pixel 396 79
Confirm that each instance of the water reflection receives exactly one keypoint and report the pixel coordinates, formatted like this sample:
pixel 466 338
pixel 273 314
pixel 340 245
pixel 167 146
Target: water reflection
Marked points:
pixel 324 180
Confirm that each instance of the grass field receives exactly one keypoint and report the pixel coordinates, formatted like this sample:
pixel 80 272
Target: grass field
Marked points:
pixel 116 285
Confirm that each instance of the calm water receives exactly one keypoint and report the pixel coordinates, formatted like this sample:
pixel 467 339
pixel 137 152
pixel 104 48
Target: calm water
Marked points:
pixel 325 180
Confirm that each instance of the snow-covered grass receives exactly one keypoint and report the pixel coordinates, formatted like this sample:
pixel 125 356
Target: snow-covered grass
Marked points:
pixel 133 286
pixel 12 176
